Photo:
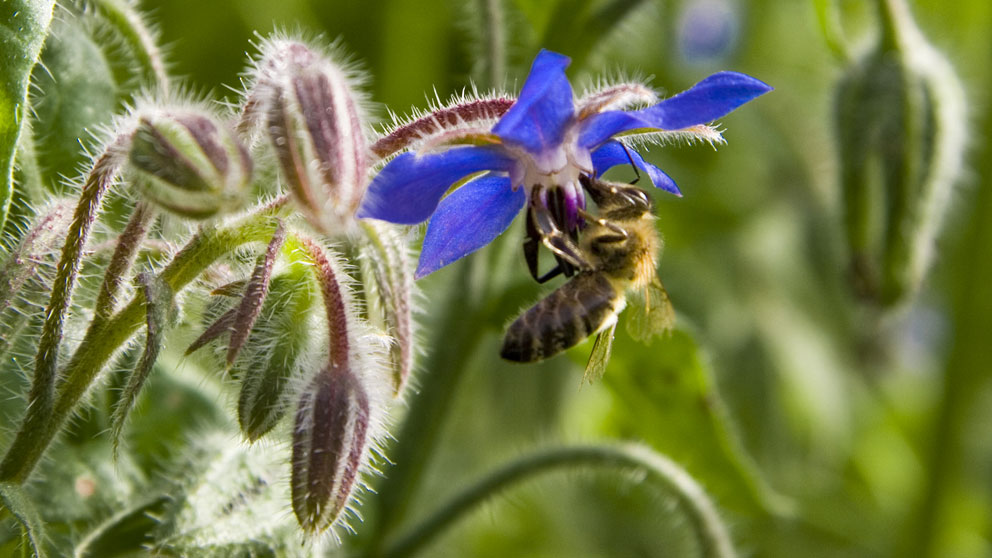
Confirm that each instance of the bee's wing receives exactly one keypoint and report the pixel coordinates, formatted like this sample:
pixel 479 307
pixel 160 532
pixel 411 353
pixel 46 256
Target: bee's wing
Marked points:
pixel 652 314
pixel 600 355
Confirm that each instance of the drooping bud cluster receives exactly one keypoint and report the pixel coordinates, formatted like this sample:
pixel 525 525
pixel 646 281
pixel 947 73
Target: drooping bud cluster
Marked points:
pixel 900 130
pixel 189 162
pixel 312 116
pixel 338 390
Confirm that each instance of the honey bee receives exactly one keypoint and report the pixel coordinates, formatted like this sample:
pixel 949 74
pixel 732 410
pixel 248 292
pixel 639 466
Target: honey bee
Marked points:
pixel 617 253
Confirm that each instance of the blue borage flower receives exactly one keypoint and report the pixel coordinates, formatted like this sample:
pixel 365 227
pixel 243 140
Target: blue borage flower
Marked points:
pixel 534 155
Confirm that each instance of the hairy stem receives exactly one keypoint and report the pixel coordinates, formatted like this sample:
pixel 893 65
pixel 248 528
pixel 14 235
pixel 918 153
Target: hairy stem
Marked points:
pixel 41 398
pixel 100 343
pixel 714 541
pixel 128 23
pixel 121 261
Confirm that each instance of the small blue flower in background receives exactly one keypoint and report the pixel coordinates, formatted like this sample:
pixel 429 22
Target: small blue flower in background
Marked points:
pixel 534 156
pixel 707 30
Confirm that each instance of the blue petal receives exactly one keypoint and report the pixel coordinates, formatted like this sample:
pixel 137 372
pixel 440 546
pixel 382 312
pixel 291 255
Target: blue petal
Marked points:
pixel 704 102
pixel 468 219
pixel 613 153
pixel 407 190
pixel 540 117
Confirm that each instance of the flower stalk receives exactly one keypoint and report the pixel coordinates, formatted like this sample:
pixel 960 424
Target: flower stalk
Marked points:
pixel 334 419
pixel 100 343
pixel 41 398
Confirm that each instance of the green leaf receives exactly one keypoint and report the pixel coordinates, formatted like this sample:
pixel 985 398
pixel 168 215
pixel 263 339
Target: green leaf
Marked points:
pixel 126 533
pixel 666 397
pixel 78 94
pixel 23 26
pixel 16 501
pixel 232 502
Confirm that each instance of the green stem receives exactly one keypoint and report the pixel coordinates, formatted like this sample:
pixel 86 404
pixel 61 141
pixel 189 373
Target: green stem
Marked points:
pixel 421 430
pixel 965 376
pixel 493 24
pixel 714 541
pixel 128 23
pixel 895 22
pixel 41 397
pixel 101 342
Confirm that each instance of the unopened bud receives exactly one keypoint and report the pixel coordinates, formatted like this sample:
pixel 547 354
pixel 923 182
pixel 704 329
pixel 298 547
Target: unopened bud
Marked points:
pixel 330 443
pixel 314 122
pixel 901 131
pixel 286 338
pixel 189 164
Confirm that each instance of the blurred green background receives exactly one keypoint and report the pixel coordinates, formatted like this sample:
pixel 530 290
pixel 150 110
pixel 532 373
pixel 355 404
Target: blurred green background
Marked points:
pixel 819 424
pixel 860 434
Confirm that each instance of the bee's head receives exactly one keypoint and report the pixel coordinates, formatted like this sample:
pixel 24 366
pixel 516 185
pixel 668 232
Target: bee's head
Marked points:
pixel 616 201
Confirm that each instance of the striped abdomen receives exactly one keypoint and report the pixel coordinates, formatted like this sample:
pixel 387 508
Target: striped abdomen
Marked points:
pixel 565 317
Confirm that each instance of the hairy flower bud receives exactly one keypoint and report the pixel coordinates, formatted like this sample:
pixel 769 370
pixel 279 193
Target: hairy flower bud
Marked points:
pixel 330 443
pixel 188 163
pixel 900 130
pixel 313 119
pixel 339 408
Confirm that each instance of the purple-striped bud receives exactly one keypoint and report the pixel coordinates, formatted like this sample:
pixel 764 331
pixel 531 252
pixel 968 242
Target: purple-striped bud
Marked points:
pixel 313 119
pixel 189 163
pixel 340 408
pixel 330 443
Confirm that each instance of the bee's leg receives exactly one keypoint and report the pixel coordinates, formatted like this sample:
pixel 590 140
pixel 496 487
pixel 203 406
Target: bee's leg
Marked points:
pixel 532 252
pixel 621 232
pixel 532 248
pixel 637 173
pixel 557 241
pixel 551 274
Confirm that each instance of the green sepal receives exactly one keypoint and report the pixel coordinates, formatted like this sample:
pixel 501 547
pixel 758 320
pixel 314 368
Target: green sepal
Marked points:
pixel 285 330
pixel 16 501
pixel 127 533
pixel 158 309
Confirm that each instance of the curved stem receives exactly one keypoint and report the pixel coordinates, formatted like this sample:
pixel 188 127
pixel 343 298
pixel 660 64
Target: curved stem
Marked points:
pixel 101 342
pixel 711 533
pixel 126 21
